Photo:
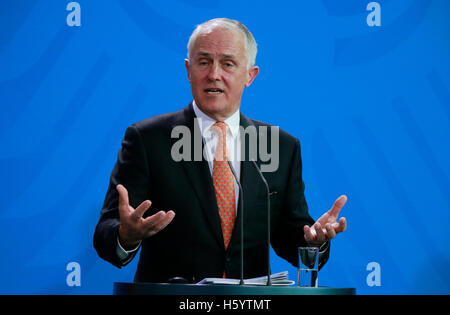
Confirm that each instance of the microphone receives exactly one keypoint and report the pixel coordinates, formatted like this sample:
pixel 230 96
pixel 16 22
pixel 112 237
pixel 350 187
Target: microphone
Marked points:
pixel 269 282
pixel 241 197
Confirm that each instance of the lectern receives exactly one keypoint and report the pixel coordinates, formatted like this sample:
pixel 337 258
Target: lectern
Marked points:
pixel 121 288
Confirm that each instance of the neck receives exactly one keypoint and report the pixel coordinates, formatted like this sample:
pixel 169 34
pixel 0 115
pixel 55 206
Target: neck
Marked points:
pixel 217 116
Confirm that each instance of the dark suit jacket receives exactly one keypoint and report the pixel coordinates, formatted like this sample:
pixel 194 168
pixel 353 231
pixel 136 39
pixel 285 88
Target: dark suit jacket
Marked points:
pixel 192 246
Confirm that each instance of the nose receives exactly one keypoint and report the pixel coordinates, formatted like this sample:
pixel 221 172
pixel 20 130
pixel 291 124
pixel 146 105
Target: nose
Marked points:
pixel 214 72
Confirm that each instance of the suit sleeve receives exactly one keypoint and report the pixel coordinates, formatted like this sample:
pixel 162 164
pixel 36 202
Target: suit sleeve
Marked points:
pixel 131 170
pixel 288 234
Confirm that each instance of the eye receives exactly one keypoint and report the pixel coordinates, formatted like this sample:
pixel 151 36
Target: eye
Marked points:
pixel 203 62
pixel 229 64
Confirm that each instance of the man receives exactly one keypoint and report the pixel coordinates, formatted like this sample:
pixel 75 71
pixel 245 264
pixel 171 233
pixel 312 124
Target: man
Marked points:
pixel 185 214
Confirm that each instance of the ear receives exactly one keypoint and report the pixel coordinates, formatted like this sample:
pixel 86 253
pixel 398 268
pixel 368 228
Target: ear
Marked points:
pixel 252 73
pixel 186 63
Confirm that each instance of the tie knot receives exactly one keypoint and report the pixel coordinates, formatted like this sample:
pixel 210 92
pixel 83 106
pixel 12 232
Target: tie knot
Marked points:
pixel 221 127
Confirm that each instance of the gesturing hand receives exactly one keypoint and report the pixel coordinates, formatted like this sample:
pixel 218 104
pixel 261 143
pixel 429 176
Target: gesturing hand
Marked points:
pixel 326 227
pixel 133 227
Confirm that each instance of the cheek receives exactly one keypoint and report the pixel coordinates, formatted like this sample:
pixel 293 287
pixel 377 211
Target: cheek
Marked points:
pixel 236 87
pixel 195 82
pixel 198 78
pixel 237 84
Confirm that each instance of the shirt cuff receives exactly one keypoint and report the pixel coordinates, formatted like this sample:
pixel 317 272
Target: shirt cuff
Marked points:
pixel 125 254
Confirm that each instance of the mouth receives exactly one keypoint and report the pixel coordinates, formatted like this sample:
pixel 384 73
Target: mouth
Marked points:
pixel 213 91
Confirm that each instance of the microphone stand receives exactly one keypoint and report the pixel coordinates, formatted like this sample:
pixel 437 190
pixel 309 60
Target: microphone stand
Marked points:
pixel 241 198
pixel 269 282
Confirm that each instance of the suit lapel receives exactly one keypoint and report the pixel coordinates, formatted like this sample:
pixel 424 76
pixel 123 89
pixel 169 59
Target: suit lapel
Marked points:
pixel 250 179
pixel 199 175
pixel 252 185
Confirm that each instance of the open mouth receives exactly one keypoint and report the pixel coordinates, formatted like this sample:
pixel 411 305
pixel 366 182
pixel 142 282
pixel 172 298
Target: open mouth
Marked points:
pixel 213 91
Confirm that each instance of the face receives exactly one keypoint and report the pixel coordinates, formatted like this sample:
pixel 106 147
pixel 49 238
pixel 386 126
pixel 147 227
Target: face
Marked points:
pixel 217 71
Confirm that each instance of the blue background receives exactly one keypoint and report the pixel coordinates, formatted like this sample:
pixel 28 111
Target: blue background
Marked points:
pixel 370 105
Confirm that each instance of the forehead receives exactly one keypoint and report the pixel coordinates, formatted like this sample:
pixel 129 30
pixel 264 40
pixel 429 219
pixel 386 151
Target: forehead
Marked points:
pixel 220 42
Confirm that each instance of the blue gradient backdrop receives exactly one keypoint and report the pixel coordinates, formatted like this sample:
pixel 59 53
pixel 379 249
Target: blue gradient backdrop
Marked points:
pixel 370 105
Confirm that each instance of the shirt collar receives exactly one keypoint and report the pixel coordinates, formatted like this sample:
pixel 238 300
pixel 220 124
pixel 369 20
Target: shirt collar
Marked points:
pixel 205 122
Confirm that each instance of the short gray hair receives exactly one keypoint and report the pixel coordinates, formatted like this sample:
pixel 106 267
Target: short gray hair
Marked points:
pixel 250 45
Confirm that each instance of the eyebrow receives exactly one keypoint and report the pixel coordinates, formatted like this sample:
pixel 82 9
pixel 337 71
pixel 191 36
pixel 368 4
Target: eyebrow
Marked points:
pixel 226 56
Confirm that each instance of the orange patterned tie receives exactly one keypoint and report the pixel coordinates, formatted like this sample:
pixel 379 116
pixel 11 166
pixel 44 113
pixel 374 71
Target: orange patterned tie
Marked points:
pixel 224 183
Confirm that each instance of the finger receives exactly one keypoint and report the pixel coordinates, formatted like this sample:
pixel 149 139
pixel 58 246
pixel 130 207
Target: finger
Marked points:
pixel 324 219
pixel 309 236
pixel 143 207
pixel 337 206
pixel 153 220
pixel 320 234
pixel 331 233
pixel 341 226
pixel 161 224
pixel 124 206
